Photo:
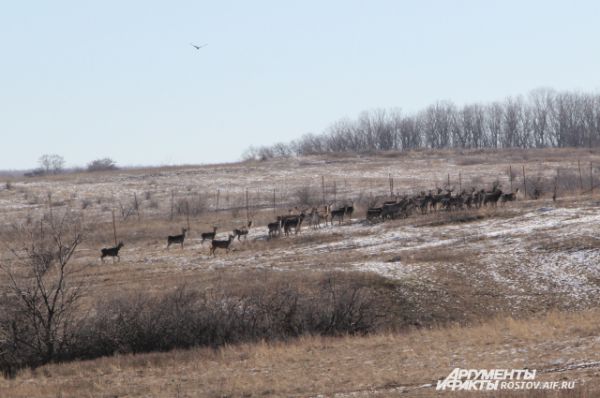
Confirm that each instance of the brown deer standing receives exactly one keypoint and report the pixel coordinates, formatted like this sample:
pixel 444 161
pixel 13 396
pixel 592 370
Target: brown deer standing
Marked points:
pixel 209 235
pixel 274 228
pixel 173 239
pixel 239 232
pixel 112 252
pixel 221 244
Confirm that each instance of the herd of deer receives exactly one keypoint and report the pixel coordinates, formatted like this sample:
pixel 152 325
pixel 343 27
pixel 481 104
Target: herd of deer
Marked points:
pixel 179 239
pixel 432 202
pixel 294 222
pixel 401 207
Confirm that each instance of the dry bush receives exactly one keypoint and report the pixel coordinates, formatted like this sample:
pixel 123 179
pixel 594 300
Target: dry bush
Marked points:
pixel 337 304
pixel 39 304
pixel 307 197
pixel 275 308
pixel 471 160
pixel 85 203
pixel 538 186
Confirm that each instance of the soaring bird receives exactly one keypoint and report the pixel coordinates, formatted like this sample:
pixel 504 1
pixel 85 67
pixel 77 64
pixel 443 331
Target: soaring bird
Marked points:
pixel 198 47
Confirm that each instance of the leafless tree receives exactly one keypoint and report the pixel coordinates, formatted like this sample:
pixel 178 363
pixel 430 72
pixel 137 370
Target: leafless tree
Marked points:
pixel 494 124
pixel 38 314
pixel 540 101
pixel 51 164
pixel 542 119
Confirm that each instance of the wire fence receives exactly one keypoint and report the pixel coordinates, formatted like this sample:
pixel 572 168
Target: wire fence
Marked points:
pixel 194 203
pixel 528 182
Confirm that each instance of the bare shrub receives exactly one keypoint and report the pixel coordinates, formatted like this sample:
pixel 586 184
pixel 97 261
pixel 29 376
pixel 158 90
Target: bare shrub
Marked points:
pixel 306 196
pixel 471 161
pixel 272 309
pixel 182 207
pixel 85 203
pixel 365 200
pixel 38 317
pixel 128 209
pixel 538 186
pixel 567 181
pixel 104 164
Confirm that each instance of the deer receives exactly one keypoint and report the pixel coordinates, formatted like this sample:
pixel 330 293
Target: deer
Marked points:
pixel 341 213
pixel 509 197
pixel 315 218
pixel 221 244
pixel 470 199
pixel 293 222
pixel 209 235
pixel 492 197
pixel 173 239
pixel 243 231
pixel 374 213
pixel 274 228
pixel 425 202
pixel 112 252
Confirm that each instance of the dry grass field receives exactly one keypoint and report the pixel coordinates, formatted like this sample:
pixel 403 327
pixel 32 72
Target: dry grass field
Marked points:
pixel 508 287
pixel 559 345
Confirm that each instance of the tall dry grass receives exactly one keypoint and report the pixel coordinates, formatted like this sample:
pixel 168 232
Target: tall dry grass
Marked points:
pixel 389 364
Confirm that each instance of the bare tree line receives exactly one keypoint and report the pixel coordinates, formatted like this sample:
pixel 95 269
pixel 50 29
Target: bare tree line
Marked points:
pixel 544 118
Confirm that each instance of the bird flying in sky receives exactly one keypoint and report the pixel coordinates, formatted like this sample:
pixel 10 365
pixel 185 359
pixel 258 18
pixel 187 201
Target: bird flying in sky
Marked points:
pixel 198 47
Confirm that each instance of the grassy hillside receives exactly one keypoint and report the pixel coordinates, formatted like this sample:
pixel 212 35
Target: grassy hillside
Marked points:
pixel 483 288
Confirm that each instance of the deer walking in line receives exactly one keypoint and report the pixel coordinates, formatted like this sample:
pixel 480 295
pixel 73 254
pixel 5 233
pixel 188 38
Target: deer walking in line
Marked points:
pixel 295 223
pixel 221 244
pixel 274 228
pixel 242 231
pixel 174 239
pixel 209 235
pixel 492 197
pixel 315 218
pixel 341 213
pixel 112 252
pixel 509 197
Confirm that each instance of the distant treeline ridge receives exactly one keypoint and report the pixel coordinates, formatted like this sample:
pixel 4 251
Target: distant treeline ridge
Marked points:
pixel 544 118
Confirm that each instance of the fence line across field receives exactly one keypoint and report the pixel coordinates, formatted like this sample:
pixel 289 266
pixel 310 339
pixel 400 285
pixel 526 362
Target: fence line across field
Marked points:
pixel 191 203
pixel 531 181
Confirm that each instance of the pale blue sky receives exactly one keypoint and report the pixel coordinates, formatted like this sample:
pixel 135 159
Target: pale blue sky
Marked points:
pixel 89 79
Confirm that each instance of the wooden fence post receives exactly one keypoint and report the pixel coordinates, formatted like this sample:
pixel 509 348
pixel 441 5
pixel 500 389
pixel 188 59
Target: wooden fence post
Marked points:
pixel 580 180
pixel 136 205
pixel 334 192
pixel 247 207
pixel 555 195
pixel 172 204
pixel 591 180
pixel 114 226
pixel 524 183
pixel 187 214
